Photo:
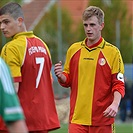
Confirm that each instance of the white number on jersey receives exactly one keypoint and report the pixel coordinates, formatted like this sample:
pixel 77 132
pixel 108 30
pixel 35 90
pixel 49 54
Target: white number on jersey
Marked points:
pixel 39 60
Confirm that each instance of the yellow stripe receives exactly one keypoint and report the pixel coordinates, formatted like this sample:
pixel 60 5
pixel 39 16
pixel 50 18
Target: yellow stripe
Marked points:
pixel 83 108
pixel 113 128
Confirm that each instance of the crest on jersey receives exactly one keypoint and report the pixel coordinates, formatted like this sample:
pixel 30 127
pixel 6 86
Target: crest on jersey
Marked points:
pixel 102 61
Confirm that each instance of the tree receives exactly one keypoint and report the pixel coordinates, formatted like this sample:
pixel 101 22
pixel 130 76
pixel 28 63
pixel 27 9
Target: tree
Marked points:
pixel 115 11
pixel 47 29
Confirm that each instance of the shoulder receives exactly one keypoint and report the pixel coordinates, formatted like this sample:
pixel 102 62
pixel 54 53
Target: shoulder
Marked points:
pixel 111 48
pixel 19 42
pixel 76 45
pixel 15 45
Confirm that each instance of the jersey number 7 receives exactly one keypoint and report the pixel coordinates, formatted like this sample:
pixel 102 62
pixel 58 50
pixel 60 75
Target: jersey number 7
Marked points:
pixel 39 60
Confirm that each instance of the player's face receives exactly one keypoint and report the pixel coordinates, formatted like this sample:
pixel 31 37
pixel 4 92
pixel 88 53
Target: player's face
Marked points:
pixel 8 25
pixel 93 29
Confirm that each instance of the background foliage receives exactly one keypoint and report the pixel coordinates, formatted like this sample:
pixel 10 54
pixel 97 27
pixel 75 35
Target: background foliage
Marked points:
pixel 47 29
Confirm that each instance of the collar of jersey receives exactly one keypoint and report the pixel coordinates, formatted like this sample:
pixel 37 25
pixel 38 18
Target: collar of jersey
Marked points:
pixel 28 34
pixel 100 44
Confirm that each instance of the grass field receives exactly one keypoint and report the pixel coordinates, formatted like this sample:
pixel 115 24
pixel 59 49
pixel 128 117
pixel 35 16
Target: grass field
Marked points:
pixel 120 128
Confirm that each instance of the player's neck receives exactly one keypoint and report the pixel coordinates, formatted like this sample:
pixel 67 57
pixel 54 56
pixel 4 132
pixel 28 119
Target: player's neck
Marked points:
pixel 90 43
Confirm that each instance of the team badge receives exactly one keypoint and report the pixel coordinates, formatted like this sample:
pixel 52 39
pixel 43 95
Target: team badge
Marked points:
pixel 102 61
pixel 120 77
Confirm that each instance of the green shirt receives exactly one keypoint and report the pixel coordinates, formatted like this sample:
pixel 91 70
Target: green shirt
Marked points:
pixel 10 109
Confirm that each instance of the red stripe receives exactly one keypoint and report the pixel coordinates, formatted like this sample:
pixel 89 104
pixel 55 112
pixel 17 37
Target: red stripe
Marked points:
pixel 102 89
pixel 17 79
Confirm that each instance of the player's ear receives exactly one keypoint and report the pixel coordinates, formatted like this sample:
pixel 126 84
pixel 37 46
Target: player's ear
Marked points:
pixel 102 26
pixel 20 20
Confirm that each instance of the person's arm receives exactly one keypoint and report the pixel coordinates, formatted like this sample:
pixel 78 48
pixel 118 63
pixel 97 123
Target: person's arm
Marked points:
pixel 18 126
pixel 112 110
pixel 59 73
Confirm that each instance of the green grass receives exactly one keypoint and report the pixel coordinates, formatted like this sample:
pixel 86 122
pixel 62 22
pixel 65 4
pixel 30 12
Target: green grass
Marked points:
pixel 120 128
pixel 124 128
pixel 63 129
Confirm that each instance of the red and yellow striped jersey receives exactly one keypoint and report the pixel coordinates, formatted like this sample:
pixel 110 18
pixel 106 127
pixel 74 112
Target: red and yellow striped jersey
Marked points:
pixel 30 63
pixel 93 74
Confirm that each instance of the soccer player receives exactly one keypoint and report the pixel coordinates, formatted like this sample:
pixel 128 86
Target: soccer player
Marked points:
pixel 10 109
pixel 30 62
pixel 94 72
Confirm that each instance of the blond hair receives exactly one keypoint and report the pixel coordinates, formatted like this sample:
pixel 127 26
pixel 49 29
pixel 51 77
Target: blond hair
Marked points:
pixel 93 11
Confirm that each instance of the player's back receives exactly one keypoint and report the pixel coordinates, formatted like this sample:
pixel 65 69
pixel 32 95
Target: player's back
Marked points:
pixel 35 90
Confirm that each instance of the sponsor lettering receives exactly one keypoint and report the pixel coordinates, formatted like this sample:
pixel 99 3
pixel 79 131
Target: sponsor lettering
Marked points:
pixel 36 49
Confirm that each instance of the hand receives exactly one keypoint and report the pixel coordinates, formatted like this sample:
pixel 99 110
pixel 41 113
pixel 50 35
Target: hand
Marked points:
pixel 58 69
pixel 111 111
